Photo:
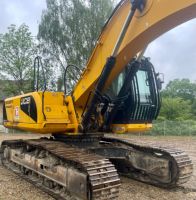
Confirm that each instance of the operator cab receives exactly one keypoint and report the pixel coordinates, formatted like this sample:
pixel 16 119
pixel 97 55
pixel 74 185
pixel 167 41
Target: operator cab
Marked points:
pixel 135 94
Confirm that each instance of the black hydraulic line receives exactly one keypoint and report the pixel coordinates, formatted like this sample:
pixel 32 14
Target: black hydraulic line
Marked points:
pixel 38 63
pixel 35 78
pixel 105 73
pixel 136 4
pixel 65 75
pixel 38 66
pixel 43 72
pixel 45 87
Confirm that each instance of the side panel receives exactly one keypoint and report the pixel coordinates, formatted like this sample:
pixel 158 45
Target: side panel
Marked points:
pixel 40 112
pixel 23 109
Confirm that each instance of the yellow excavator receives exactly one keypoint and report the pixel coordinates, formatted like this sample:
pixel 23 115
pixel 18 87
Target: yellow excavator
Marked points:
pixel 118 92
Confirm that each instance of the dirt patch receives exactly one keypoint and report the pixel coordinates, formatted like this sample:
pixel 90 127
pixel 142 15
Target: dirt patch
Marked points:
pixel 13 187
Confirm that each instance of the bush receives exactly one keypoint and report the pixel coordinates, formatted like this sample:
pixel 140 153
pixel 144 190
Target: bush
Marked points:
pixel 184 127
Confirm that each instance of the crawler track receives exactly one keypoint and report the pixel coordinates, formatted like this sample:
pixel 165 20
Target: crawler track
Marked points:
pixel 181 167
pixel 91 177
pixel 87 172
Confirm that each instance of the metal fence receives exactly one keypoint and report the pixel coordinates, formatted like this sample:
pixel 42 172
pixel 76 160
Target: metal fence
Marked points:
pixel 177 128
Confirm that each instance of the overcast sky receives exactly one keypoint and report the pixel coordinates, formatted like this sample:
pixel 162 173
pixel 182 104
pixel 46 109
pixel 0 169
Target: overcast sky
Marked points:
pixel 173 54
pixel 21 11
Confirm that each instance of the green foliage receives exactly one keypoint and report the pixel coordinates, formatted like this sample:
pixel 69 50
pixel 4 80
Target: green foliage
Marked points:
pixel 17 50
pixel 175 109
pixel 179 100
pixel 177 128
pixel 69 28
pixel 193 109
pixel 178 111
pixel 184 89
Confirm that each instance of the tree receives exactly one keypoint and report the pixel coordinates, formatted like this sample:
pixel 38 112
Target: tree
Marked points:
pixel 175 109
pixel 184 89
pixel 193 107
pixel 69 29
pixel 17 51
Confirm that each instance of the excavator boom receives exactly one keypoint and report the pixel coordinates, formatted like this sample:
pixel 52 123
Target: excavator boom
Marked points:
pixel 157 18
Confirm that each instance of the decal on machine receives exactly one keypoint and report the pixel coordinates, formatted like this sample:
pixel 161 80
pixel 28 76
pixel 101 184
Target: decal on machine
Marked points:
pixel 16 113
pixel 28 106
pixel 25 101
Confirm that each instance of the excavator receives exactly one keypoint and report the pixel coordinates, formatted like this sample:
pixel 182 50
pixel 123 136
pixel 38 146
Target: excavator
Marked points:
pixel 117 92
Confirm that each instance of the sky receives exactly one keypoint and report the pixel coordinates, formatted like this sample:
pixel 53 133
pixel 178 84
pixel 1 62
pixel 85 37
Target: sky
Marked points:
pixel 173 54
pixel 21 11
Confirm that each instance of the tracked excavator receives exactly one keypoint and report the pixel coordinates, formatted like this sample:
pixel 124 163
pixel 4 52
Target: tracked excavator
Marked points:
pixel 118 92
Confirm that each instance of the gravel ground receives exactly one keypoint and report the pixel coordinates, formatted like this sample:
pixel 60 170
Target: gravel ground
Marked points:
pixel 13 187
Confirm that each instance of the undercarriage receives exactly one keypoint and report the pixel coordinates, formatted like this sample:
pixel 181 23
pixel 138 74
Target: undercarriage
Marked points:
pixel 88 168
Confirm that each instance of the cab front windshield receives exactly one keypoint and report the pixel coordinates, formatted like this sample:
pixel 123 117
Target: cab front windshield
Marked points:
pixel 141 80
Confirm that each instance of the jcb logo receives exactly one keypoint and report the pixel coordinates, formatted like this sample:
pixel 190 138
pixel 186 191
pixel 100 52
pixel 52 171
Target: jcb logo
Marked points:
pixel 25 101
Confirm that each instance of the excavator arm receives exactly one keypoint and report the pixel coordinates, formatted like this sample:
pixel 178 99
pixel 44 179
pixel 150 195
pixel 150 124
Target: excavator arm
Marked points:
pixel 158 17
pixel 123 36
